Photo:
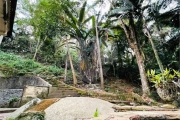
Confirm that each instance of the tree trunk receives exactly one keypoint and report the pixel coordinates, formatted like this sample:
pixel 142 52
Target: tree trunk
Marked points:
pixel 141 66
pixel 65 71
pixel 133 43
pixel 39 44
pixel 154 48
pixel 1 38
pixel 72 67
pixel 99 58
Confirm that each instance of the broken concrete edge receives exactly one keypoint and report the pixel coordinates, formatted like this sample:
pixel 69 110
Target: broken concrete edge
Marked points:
pixel 23 108
pixel 7 110
pixel 156 117
pixel 119 108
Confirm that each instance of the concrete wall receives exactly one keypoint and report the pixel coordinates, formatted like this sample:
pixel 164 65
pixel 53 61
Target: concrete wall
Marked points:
pixel 21 81
pixel 25 87
pixel 31 92
pixel 7 94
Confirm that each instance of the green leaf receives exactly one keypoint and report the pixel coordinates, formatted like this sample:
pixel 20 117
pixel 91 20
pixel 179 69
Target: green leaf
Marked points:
pixel 148 73
pixel 119 11
pixel 94 24
pixel 82 13
pixel 69 14
pixel 110 32
pixel 75 28
pixel 96 114
pixel 85 21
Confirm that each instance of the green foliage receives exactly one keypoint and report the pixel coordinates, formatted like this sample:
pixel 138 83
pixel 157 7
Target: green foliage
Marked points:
pixel 22 66
pixel 13 100
pixel 31 116
pixel 96 113
pixel 162 78
pixel 10 119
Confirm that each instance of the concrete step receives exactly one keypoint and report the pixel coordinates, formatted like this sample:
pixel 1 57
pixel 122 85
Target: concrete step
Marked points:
pixel 57 88
pixel 62 91
pixel 62 95
pixel 56 95
pixel 64 87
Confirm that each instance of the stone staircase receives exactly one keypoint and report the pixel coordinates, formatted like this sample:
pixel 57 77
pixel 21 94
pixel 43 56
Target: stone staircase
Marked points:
pixel 61 91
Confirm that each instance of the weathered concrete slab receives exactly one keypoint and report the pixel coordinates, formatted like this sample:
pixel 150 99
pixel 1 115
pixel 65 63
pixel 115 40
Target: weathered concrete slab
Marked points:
pixel 7 110
pixel 16 113
pixel 31 92
pixel 19 82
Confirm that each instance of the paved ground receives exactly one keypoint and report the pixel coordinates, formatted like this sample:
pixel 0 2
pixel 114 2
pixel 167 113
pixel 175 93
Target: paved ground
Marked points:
pixel 5 111
pixel 3 115
pixel 127 115
pixel 83 108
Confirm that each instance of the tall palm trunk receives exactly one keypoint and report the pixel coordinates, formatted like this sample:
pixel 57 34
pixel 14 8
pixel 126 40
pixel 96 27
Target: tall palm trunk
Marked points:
pixel 133 42
pixel 99 58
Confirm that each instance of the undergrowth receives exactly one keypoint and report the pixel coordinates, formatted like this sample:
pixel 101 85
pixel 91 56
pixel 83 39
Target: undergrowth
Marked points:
pixel 15 65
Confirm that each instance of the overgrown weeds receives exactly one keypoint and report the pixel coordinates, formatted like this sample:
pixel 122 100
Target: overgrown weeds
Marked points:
pixel 19 66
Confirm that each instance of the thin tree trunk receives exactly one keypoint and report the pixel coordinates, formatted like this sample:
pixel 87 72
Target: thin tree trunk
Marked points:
pixel 154 48
pixel 72 67
pixel 65 71
pixel 38 47
pixel 1 38
pixel 99 58
pixel 132 40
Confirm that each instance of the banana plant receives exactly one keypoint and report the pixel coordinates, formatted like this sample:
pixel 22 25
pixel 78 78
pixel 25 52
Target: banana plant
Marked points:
pixel 78 28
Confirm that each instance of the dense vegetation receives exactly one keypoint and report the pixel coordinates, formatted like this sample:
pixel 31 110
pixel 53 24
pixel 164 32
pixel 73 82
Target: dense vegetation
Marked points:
pixel 132 37
pixel 16 65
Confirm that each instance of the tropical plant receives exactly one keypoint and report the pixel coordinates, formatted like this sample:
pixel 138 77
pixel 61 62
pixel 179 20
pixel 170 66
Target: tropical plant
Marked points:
pixel 78 29
pixel 161 20
pixel 164 83
pixel 162 78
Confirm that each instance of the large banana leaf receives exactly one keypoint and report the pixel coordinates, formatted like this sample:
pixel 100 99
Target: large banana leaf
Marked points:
pixel 119 11
pixel 82 13
pixel 74 27
pixel 94 24
pixel 87 20
pixel 69 14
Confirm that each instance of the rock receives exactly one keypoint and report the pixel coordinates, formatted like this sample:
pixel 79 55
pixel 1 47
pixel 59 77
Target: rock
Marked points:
pixel 175 103
pixel 16 113
pixel 168 106
pixel 77 108
pixel 1 74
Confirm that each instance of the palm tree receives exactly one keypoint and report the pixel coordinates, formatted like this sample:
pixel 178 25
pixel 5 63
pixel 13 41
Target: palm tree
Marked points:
pixel 127 11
